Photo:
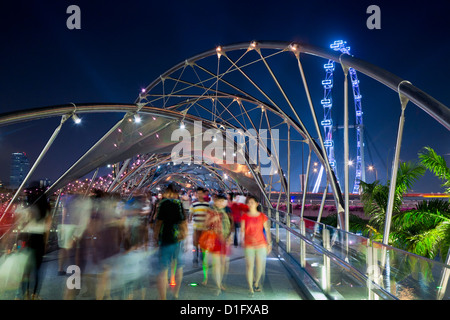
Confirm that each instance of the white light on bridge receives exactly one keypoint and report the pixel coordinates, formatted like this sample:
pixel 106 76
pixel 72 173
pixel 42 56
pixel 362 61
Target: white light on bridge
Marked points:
pixel 76 119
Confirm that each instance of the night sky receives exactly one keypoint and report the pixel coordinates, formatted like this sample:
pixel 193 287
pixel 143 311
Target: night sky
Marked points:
pixel 123 46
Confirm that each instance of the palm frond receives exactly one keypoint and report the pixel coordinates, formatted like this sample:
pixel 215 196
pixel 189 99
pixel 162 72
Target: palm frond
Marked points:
pixel 436 164
pixel 408 173
pixel 445 243
pixel 434 205
pixel 426 244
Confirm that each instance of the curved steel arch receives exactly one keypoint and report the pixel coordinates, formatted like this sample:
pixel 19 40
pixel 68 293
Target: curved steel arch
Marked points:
pixel 61 110
pixel 405 89
pixel 427 103
pixel 155 163
pixel 279 113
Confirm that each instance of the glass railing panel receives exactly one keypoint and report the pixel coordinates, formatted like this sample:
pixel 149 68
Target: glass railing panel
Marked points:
pixel 405 275
pixel 411 277
pixel 328 274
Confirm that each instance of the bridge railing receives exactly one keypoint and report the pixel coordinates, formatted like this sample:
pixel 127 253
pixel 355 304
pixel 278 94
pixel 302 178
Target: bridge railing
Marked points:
pixel 349 266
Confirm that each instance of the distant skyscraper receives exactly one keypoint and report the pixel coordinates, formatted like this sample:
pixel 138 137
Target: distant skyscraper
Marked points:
pixel 19 169
pixel 45 182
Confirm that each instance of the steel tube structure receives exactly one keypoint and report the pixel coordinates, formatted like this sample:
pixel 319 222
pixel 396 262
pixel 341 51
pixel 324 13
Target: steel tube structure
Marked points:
pixel 430 105
pixel 403 101
pixel 434 108
pixel 308 166
pixel 346 149
pixel 322 202
pixel 325 163
pixel 38 160
pixel 288 190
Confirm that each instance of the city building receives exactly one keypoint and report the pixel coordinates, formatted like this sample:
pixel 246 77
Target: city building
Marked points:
pixel 45 182
pixel 20 166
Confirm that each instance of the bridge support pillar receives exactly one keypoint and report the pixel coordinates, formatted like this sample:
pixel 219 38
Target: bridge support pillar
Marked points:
pixel 326 283
pixel 38 160
pixel 302 243
pixel 403 101
pixel 373 270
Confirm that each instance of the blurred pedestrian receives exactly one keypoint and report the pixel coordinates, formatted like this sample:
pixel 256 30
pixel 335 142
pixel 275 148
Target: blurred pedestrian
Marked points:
pixel 77 211
pixel 35 235
pixel 135 219
pixel 66 230
pixel 170 231
pixel 197 214
pixel 108 238
pixel 237 208
pixel 186 201
pixel 220 223
pixel 255 231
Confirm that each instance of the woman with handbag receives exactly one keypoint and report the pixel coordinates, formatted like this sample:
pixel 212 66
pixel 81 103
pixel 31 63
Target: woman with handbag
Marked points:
pixel 216 240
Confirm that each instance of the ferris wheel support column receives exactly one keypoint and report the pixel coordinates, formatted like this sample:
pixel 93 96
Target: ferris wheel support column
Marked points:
pixel 346 147
pixel 363 162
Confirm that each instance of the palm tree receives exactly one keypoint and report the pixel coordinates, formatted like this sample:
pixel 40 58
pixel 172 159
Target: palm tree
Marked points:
pixel 426 229
pixel 374 197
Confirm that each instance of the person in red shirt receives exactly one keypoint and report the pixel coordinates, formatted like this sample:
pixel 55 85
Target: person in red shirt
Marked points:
pixel 236 212
pixel 255 231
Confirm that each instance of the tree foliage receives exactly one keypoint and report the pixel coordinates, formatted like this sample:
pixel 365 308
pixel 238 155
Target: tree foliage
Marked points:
pixel 424 230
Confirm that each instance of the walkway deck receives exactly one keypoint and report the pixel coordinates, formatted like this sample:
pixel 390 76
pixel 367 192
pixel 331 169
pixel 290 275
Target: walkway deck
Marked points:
pixel 278 284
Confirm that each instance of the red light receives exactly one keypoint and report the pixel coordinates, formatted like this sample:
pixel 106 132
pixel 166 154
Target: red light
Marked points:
pixel 172 281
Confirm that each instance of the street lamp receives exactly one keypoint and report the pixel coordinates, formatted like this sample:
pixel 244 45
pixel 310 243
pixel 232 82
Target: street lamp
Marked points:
pixel 372 168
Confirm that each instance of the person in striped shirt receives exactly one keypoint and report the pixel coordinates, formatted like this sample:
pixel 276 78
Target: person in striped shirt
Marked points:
pixel 197 215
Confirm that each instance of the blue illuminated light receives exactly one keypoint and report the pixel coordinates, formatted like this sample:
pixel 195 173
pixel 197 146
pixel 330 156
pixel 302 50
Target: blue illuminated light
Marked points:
pixel 328 143
pixel 328 66
pixel 327 123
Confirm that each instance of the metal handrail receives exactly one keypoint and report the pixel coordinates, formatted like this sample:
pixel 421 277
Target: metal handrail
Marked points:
pixel 387 247
pixel 336 259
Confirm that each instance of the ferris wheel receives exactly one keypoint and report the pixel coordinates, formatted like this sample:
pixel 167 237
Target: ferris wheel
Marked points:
pixel 327 122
